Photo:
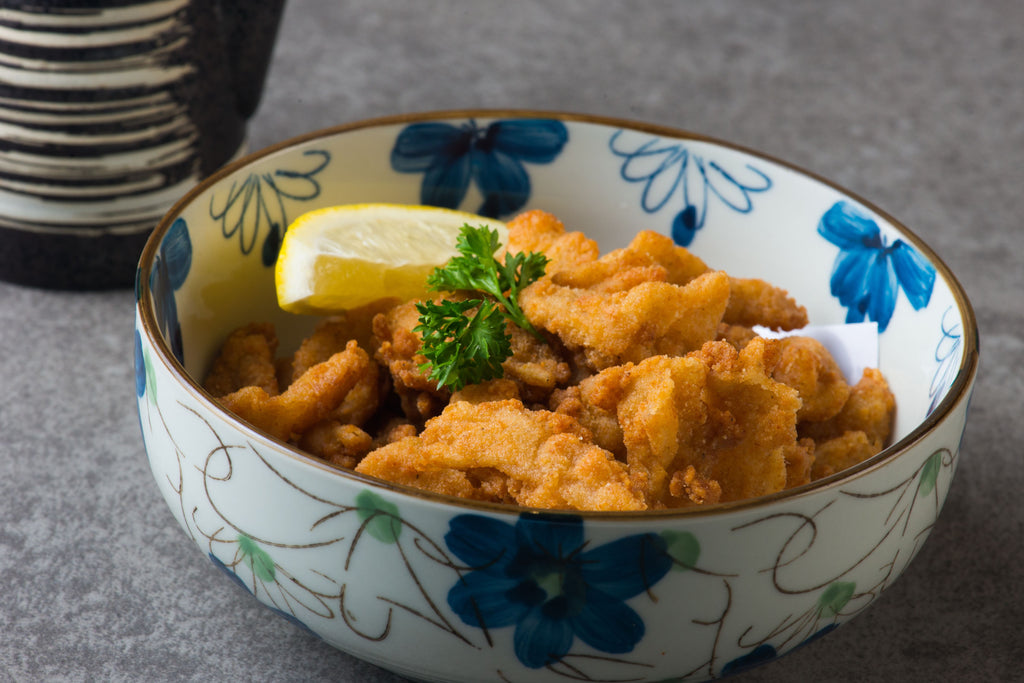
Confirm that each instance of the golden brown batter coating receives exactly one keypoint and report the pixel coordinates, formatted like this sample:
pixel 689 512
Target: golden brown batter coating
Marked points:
pixel 310 398
pixel 650 390
pixel 652 318
pixel 540 231
pixel 246 359
pixel 869 409
pixel 755 302
pixel 535 458
pixel 397 349
pixel 340 444
pixel 806 365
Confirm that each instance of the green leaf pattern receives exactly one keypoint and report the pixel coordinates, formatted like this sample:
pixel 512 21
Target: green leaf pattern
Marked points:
pixel 683 548
pixel 256 558
pixel 835 597
pixel 381 518
pixel 930 474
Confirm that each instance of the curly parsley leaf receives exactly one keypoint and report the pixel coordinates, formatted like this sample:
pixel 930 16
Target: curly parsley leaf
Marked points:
pixel 462 349
pixel 465 342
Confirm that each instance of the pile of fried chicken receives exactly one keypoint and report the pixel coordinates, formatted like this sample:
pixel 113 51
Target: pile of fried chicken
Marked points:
pixel 652 390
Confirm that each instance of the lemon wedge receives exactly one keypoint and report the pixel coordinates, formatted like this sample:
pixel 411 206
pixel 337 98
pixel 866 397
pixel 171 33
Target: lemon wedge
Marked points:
pixel 341 257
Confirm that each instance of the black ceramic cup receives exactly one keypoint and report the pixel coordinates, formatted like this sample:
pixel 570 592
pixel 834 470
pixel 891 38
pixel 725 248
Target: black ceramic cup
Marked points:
pixel 110 110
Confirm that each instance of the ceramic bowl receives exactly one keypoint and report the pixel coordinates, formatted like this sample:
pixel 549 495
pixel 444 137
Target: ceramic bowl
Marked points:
pixel 444 589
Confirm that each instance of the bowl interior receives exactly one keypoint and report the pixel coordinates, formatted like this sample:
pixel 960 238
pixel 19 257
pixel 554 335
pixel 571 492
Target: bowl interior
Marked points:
pixel 209 266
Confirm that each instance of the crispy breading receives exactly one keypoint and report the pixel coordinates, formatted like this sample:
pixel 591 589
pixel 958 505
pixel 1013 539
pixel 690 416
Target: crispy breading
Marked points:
pixel 308 400
pixel 756 302
pixel 737 335
pixel 396 347
pixel 330 336
pixel 246 359
pixel 617 271
pixel 592 402
pixel 542 459
pixel 860 430
pixel 840 452
pixel 800 459
pixel 806 365
pixel 492 390
pixel 649 319
pixel 663 413
pixel 869 409
pixel 752 433
pixel 715 410
pixel 680 264
pixel 535 367
pixel 340 444
pixel 751 301
pixel 687 484
pixel 649 390
pixel 536 230
pixel 394 429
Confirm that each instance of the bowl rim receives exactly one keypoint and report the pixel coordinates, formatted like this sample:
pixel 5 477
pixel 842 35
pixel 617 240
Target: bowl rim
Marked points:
pixel 958 391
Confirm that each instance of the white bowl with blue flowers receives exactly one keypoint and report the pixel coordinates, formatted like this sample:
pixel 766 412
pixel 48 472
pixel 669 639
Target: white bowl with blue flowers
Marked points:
pixel 443 589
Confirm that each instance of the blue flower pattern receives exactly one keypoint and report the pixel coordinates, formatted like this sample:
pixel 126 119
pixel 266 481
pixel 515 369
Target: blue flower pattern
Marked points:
pixel 452 157
pixel 948 352
pixel 868 272
pixel 254 210
pixel 170 269
pixel 670 170
pixel 762 654
pixel 540 577
pixel 140 366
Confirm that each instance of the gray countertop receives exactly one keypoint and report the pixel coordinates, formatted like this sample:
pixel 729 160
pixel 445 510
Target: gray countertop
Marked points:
pixel 916 105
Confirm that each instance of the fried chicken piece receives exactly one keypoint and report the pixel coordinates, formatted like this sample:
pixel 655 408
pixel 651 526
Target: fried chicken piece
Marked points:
pixel 535 367
pixel 756 302
pixel 662 412
pixel 869 410
pixel 715 410
pixel 617 271
pixel 245 359
pixel 308 400
pixel 503 452
pixel 807 366
pixel 688 484
pixel 837 454
pixel 752 433
pixel 680 264
pixel 394 429
pixel 397 348
pixel 340 444
pixel 541 231
pixel 737 335
pixel 751 301
pixel 652 318
pixel 591 405
pixel 800 460
pixel 332 333
pixel 624 306
pixel 330 336
pixel 500 389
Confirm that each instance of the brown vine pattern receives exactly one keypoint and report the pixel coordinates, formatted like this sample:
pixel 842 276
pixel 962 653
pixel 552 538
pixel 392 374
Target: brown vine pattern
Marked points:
pixel 303 596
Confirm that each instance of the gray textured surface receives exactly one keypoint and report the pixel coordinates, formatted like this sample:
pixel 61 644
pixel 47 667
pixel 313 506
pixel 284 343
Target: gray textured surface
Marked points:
pixel 916 105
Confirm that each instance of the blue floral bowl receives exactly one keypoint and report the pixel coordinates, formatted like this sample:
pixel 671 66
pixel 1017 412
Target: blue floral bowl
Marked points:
pixel 444 589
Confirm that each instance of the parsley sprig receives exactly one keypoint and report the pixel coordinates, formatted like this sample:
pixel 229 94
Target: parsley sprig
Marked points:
pixel 465 341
